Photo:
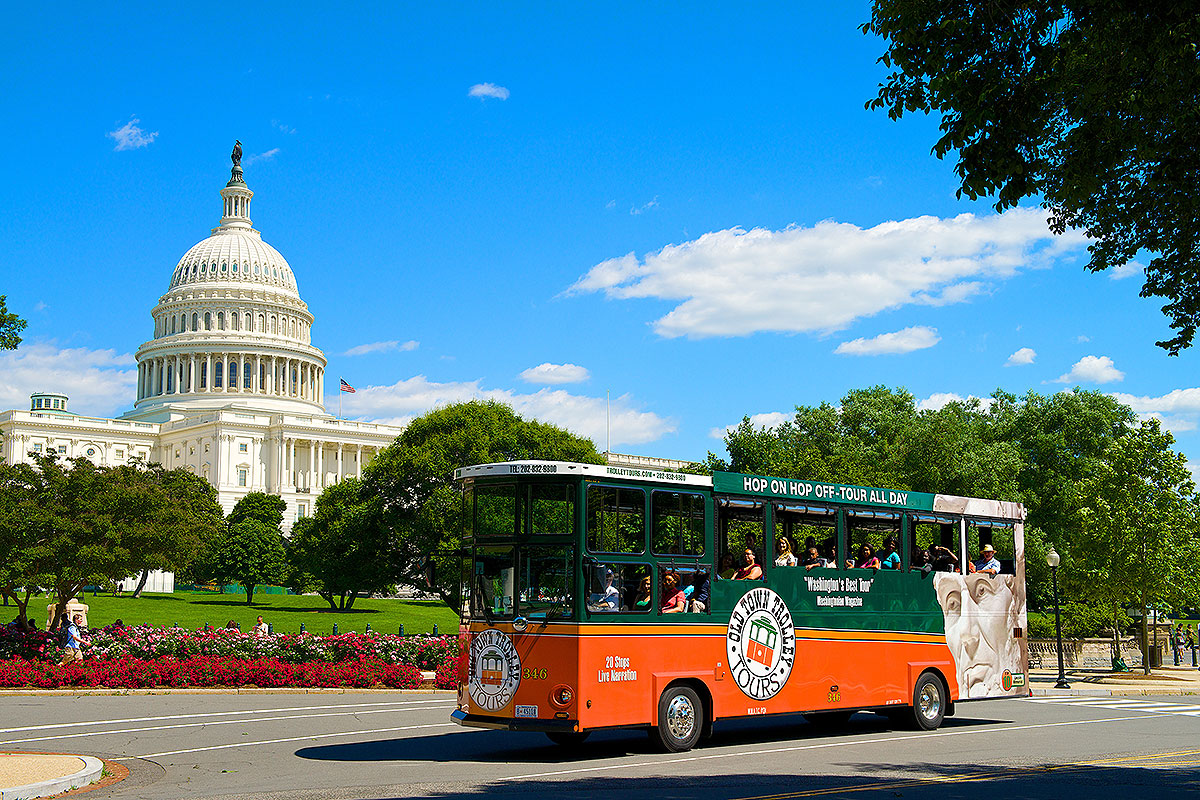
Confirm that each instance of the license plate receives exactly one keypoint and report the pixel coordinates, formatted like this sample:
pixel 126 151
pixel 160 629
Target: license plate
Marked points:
pixel 527 711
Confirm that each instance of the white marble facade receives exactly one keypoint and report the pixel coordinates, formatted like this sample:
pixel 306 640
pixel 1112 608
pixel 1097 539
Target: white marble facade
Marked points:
pixel 229 386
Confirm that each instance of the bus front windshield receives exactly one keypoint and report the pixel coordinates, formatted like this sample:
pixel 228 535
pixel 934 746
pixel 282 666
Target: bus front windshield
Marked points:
pixel 533 581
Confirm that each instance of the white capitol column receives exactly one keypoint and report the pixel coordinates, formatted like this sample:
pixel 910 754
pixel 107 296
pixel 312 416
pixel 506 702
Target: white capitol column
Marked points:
pixel 292 461
pixel 320 465
pixel 358 462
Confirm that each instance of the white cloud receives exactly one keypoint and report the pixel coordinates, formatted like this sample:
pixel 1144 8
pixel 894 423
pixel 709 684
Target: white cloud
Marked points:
pixel 1092 369
pixel 939 400
pixel 485 90
pixel 40 306
pixel 98 382
pixel 917 337
pixel 769 419
pixel 130 136
pixel 555 373
pixel 282 127
pixel 1082 339
pixel 265 156
pixel 610 204
pixel 642 209
pixel 380 347
pixel 1025 355
pixel 399 403
pixel 1129 269
pixel 1177 410
pixel 820 279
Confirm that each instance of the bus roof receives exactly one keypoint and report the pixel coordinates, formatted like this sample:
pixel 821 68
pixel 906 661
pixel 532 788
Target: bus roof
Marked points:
pixel 766 487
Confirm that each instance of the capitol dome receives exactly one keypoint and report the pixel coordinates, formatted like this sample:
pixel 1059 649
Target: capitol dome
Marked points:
pixel 231 328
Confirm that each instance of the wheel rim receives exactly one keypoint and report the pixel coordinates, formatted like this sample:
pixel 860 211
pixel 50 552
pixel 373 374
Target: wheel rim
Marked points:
pixel 681 717
pixel 930 701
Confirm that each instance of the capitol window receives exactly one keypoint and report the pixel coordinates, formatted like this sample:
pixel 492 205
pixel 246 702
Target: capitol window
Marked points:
pixel 119 453
pixel 246 374
pixel 235 266
pixel 207 321
pixel 241 477
pixel 62 449
pixel 195 322
pixel 37 448
pixel 220 320
pixel 243 447
pixel 217 375
pixel 233 321
pixel 256 269
pixel 224 267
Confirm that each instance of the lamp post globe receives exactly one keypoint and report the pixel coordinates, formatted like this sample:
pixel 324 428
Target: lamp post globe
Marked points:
pixel 1052 561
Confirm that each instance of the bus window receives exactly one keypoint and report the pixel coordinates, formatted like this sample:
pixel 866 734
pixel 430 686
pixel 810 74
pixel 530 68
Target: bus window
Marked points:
pixel 741 525
pixel 492 583
pixel 547 581
pixel 498 511
pixel 1002 540
pixel 684 589
pixel 806 528
pixel 677 523
pixel 552 508
pixel 867 533
pixel 616 520
pixel 935 542
pixel 616 588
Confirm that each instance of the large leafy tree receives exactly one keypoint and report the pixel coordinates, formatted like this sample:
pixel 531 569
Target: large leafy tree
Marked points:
pixel 1087 105
pixel 251 554
pixel 344 551
pixel 10 327
pixel 414 481
pixel 266 508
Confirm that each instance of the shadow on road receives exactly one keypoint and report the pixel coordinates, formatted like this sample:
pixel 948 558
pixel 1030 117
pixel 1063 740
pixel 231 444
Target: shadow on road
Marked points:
pixel 485 746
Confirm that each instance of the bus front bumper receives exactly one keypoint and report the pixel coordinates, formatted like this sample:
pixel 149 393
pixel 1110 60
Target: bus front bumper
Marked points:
pixel 513 724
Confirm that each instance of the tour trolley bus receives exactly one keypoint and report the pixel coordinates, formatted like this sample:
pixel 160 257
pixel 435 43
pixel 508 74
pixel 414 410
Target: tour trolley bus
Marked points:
pixel 609 597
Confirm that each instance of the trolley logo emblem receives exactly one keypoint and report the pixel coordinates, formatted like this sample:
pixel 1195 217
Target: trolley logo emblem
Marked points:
pixel 761 643
pixel 495 670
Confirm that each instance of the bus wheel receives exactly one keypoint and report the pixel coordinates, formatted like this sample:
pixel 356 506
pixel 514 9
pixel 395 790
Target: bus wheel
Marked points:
pixel 929 702
pixel 567 738
pixel 680 719
pixel 828 719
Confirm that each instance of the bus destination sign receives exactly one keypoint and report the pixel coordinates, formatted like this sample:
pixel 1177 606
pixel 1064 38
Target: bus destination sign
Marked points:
pixel 813 491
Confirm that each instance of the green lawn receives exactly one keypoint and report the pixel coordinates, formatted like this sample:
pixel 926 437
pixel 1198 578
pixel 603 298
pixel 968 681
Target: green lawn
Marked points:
pixel 285 612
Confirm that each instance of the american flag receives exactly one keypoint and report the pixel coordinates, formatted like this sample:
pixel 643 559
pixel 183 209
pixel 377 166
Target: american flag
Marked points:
pixel 346 387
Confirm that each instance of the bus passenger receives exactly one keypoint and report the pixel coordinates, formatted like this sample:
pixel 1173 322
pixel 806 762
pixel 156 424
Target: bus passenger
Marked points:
pixel 784 557
pixel 866 558
pixel 750 571
pixel 921 561
pixel 700 594
pixel 641 600
pixel 728 568
pixel 673 599
pixel 943 559
pixel 987 562
pixel 814 559
pixel 889 558
pixel 608 598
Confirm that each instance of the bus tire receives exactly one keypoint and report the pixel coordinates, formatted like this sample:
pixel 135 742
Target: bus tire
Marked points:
pixel 681 717
pixel 567 738
pixel 828 719
pixel 929 702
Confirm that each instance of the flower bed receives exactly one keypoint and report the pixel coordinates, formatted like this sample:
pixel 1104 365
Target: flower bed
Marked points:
pixel 146 657
pixel 206 671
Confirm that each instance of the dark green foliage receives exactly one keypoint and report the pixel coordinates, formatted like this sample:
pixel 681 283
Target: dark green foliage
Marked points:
pixel 251 554
pixel 1088 106
pixel 10 327
pixel 266 508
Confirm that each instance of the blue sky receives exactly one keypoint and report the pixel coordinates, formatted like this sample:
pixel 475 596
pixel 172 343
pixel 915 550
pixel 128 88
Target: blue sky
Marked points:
pixel 687 209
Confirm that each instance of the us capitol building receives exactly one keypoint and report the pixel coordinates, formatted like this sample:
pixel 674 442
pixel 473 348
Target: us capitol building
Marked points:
pixel 229 387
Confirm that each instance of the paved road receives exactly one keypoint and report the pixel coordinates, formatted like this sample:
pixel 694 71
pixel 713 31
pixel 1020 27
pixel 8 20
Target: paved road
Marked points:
pixel 383 745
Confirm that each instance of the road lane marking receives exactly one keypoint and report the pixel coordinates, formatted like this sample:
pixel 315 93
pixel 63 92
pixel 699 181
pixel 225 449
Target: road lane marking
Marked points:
pixel 927 736
pixel 206 724
pixel 225 714
pixel 289 739
pixel 1113 702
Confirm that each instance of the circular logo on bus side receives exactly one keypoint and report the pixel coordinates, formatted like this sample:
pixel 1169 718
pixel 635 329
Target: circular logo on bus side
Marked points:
pixel 760 643
pixel 495 670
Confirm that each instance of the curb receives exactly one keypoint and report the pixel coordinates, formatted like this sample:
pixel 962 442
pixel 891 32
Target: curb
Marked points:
pixel 92 770
pixel 1115 691
pixel 245 690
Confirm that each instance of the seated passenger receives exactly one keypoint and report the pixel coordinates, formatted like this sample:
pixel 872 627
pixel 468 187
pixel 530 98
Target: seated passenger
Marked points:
pixel 673 599
pixel 608 598
pixel 943 559
pixel 641 600
pixel 921 561
pixel 700 594
pixel 750 571
pixel 866 558
pixel 727 568
pixel 813 559
pixel 987 561
pixel 784 557
pixel 889 558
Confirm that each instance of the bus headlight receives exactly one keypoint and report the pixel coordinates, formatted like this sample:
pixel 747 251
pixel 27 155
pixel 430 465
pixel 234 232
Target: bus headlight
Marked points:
pixel 520 624
pixel 562 695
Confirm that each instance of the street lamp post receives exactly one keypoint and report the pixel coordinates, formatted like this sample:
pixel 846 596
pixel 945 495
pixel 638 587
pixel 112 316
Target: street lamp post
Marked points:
pixel 1052 560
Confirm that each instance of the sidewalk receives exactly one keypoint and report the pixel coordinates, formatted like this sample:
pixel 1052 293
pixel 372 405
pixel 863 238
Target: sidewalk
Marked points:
pixel 1087 681
pixel 28 775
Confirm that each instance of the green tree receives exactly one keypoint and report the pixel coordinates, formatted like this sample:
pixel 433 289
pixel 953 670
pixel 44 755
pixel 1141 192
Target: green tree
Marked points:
pixel 1139 516
pixel 266 508
pixel 344 551
pixel 414 481
pixel 1088 106
pixel 251 554
pixel 10 327
pixel 20 530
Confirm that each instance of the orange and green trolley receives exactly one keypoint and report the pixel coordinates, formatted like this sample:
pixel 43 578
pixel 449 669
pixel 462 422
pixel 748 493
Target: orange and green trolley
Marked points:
pixel 599 597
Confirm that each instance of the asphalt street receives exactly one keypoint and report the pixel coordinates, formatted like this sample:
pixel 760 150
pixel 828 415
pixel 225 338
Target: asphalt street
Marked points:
pixel 384 745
